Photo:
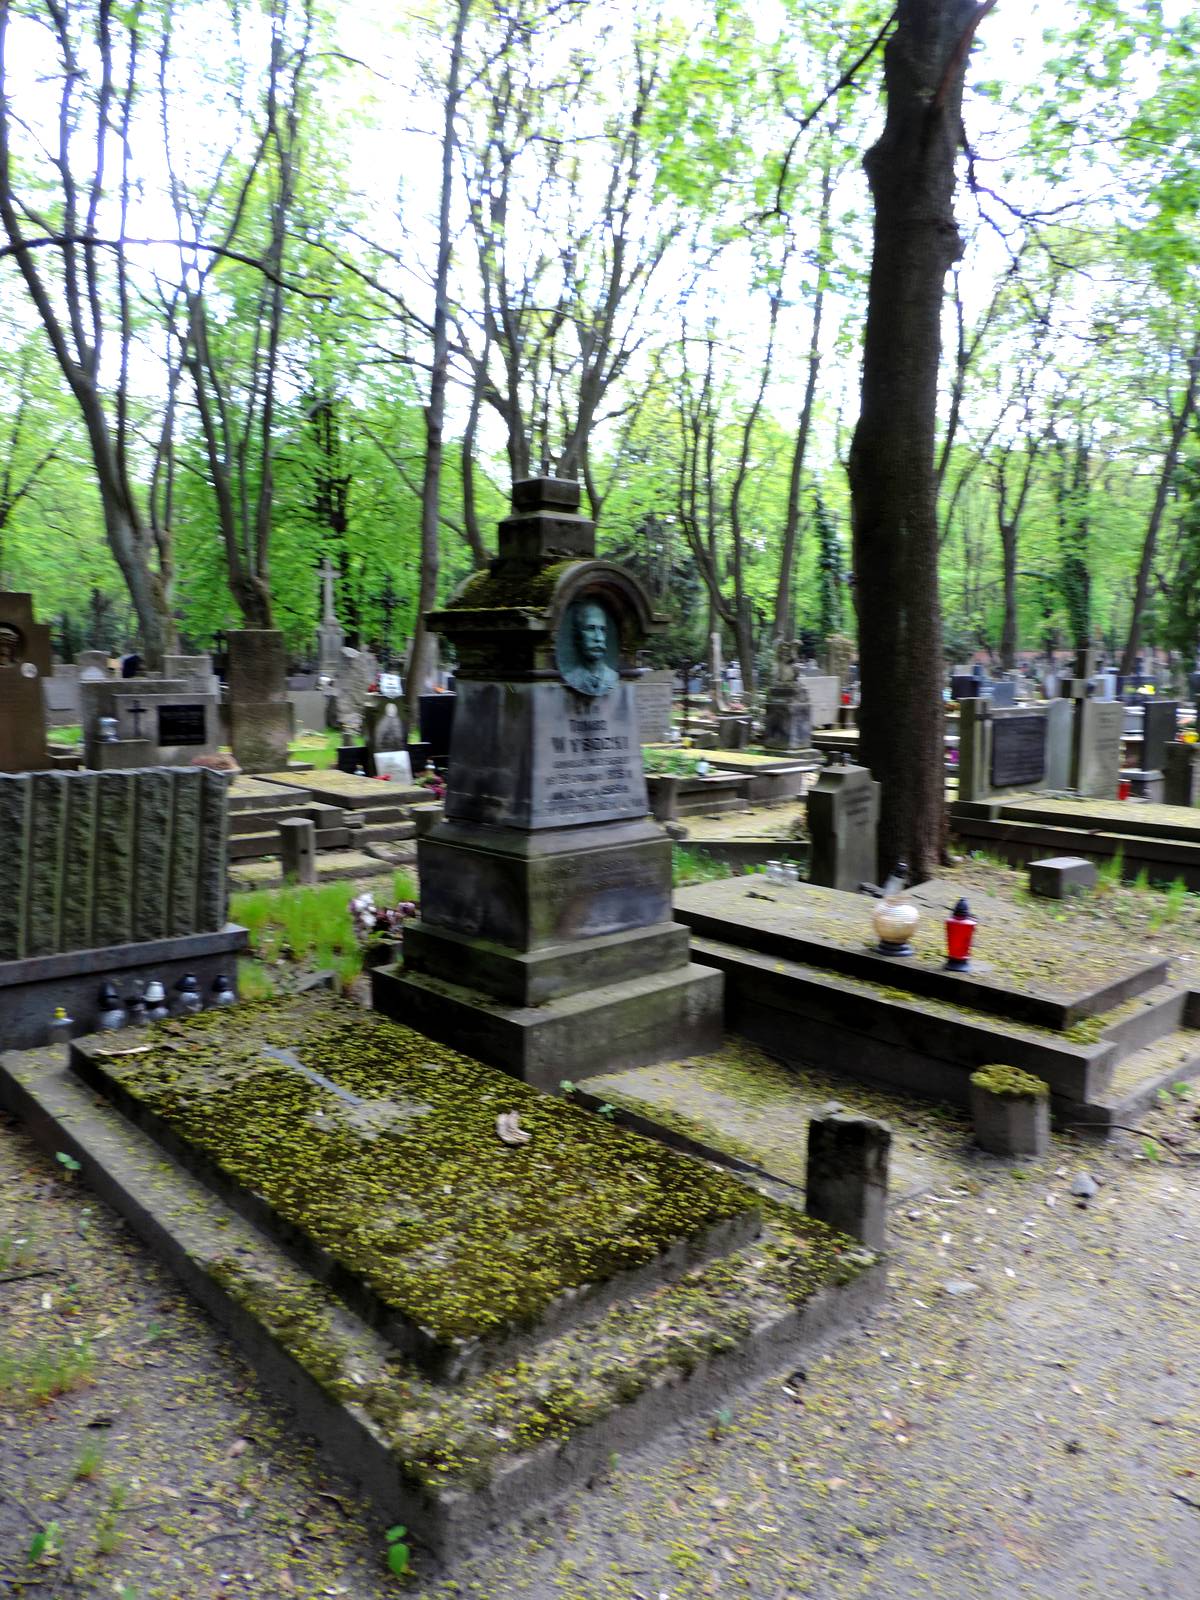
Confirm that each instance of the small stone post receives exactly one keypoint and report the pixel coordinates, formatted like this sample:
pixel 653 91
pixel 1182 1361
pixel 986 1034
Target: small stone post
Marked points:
pixel 848 1175
pixel 1010 1110
pixel 298 850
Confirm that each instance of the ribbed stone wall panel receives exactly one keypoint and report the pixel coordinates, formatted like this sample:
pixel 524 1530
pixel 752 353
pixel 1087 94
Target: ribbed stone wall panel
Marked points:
pixel 45 877
pixel 185 851
pixel 115 822
pixel 16 813
pixel 154 844
pixel 213 875
pixel 79 862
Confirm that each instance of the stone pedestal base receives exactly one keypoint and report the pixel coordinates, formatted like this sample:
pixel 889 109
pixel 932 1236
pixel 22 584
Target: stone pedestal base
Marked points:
pixel 629 1024
pixel 787 722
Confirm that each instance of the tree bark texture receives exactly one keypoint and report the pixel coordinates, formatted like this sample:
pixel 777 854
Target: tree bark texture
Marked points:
pixel 435 410
pixel 1179 425
pixel 911 172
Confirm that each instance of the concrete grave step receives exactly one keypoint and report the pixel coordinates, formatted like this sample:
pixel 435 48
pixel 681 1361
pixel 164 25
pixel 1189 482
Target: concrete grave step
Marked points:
pixel 353 793
pixel 257 846
pixel 885 1035
pixel 1139 1080
pixel 926 1046
pixel 261 818
pixel 333 866
pixel 1146 821
pixel 1161 856
pixel 1027 977
pixel 385 832
pixel 417 1445
pixel 248 794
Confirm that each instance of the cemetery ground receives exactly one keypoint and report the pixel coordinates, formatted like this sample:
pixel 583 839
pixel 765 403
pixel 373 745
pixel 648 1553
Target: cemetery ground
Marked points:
pixel 1017 1415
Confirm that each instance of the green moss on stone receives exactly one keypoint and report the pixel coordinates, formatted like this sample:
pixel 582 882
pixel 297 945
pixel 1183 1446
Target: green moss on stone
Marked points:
pixel 520 590
pixel 412 1191
pixel 1012 1083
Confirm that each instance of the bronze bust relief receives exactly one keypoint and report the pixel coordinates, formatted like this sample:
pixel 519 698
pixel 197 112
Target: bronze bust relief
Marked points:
pixel 586 648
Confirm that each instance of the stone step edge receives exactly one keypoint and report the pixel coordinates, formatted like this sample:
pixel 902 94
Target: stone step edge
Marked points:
pixel 164 1208
pixel 1135 849
pixel 1107 1110
pixel 960 990
pixel 1071 1069
pixel 1042 1053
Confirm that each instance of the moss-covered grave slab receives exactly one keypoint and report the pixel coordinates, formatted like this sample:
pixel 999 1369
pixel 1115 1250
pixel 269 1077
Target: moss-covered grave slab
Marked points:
pixel 374 1155
pixel 1026 973
pixel 450 1456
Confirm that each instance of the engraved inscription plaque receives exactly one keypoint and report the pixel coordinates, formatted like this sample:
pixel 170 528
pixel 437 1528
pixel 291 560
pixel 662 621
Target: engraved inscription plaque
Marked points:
pixel 588 763
pixel 1018 750
pixel 180 725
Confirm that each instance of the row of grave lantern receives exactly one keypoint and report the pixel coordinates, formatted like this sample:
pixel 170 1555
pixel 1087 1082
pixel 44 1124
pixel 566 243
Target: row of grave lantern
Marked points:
pixel 148 1003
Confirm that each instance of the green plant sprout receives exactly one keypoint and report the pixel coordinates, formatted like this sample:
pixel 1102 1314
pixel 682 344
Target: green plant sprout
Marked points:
pixel 399 1554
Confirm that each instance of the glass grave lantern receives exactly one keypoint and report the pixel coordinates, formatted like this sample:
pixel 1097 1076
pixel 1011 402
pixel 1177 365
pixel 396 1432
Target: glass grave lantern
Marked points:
pixel 960 930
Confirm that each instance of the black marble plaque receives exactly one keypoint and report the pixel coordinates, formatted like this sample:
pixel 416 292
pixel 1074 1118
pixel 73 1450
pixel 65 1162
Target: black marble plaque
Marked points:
pixel 1018 751
pixel 179 725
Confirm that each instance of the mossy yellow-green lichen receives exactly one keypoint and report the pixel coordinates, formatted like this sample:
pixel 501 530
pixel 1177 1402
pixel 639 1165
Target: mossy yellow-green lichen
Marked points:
pixel 1012 1083
pixel 413 1192
pixel 502 591
pixel 457 1436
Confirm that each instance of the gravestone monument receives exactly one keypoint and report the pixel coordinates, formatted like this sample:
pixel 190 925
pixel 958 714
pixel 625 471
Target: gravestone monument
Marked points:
pixel 843 824
pixel 352 679
pixel 787 718
pixel 546 943
pixel 160 722
pixel 330 635
pixel 1096 765
pixel 24 662
pixel 1181 775
pixel 1159 725
pixel 260 716
pixel 1018 751
pixel 1060 721
pixel 654 699
pixel 839 657
pixel 1010 749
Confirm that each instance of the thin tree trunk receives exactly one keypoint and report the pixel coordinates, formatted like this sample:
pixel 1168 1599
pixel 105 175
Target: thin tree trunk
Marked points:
pixel 791 527
pixel 435 411
pixel 1179 424
pixel 911 172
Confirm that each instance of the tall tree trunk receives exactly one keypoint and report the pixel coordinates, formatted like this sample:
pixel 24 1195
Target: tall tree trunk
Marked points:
pixel 435 411
pixel 893 484
pixel 787 556
pixel 1179 424
pixel 1008 632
